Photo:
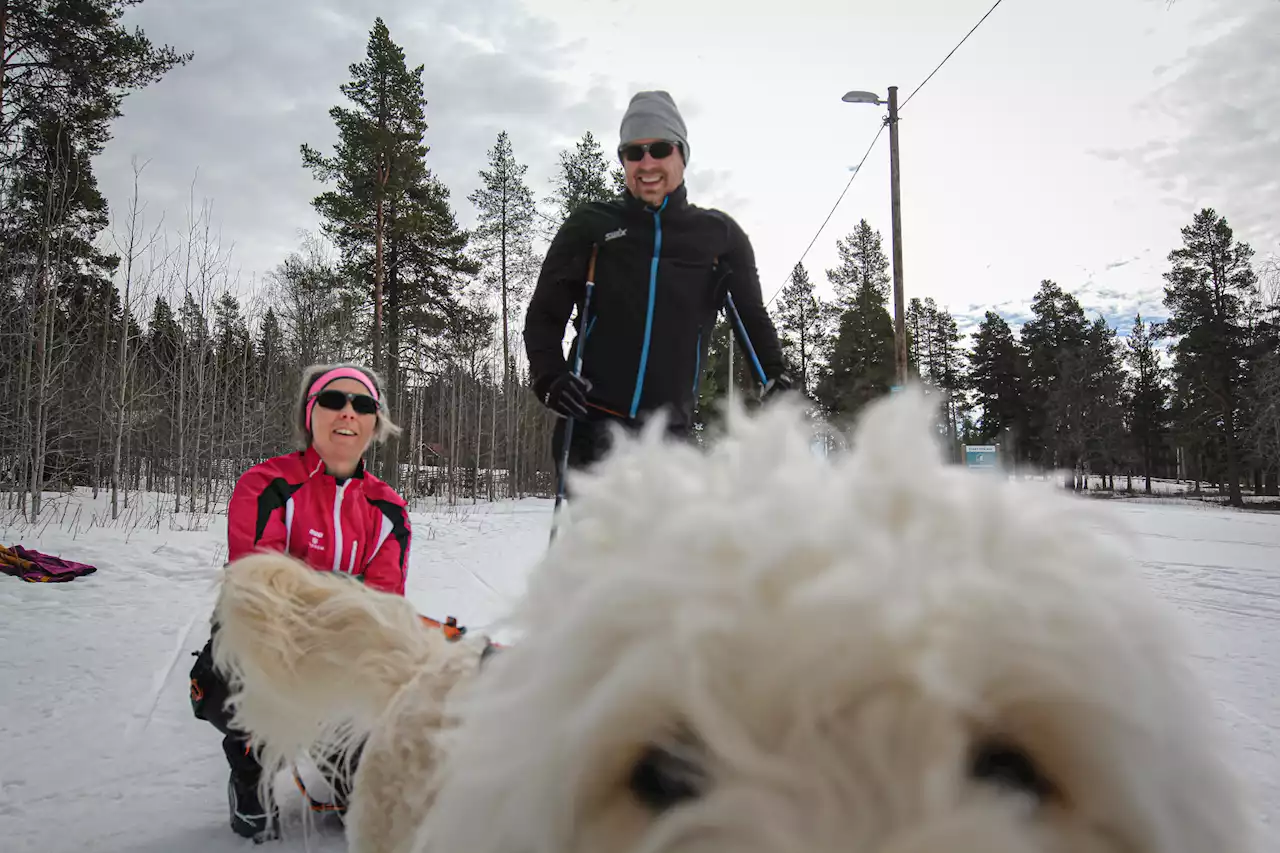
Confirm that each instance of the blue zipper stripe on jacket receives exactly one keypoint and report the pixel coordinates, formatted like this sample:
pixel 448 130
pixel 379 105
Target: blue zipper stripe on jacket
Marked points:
pixel 648 321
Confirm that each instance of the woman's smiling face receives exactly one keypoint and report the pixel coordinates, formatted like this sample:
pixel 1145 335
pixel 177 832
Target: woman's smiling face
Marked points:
pixel 342 436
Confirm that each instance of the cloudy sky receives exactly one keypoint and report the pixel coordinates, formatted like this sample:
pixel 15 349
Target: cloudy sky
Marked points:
pixel 1064 140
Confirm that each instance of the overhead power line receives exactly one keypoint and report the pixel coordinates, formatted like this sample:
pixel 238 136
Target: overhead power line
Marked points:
pixel 948 56
pixel 857 171
pixel 873 144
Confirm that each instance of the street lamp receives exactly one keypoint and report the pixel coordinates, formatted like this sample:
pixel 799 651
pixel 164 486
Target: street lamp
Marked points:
pixel 861 98
pixel 895 195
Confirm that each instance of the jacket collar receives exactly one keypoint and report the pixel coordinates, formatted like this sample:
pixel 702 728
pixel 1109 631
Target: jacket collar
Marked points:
pixel 314 465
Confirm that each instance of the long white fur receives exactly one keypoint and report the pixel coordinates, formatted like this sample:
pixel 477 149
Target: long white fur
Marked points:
pixel 320 664
pixel 838 634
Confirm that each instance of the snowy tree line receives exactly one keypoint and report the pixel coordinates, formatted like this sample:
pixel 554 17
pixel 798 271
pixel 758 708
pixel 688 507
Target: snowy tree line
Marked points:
pixel 1195 396
pixel 133 358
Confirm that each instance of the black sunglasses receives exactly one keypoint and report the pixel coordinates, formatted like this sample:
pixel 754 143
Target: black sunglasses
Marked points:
pixel 363 404
pixel 661 150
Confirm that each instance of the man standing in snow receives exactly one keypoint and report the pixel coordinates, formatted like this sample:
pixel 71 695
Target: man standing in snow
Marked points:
pixel 663 268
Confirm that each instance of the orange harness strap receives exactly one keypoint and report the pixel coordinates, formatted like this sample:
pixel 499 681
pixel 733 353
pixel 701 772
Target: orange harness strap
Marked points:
pixel 449 626
pixel 452 630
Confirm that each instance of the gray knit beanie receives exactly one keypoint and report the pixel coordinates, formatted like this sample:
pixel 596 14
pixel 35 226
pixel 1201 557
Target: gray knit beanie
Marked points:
pixel 653 115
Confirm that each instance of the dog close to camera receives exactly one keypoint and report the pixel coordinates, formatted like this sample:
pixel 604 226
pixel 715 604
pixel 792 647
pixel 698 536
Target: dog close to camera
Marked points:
pixel 748 648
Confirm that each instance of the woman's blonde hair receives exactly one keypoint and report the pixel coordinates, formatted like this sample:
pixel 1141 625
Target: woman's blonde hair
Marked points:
pixel 384 427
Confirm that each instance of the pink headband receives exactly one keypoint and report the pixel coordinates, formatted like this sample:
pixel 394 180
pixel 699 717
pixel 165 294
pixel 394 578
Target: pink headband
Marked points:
pixel 336 373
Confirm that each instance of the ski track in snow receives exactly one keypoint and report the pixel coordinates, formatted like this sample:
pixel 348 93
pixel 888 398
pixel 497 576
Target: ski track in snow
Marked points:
pixel 99 750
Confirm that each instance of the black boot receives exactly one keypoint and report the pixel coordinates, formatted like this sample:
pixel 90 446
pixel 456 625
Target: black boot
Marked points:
pixel 248 818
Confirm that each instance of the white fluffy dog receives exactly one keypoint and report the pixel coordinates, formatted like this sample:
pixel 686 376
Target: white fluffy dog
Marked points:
pixel 748 648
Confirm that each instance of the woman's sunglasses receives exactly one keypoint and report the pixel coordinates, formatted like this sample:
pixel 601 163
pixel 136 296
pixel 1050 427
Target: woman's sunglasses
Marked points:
pixel 363 404
pixel 634 152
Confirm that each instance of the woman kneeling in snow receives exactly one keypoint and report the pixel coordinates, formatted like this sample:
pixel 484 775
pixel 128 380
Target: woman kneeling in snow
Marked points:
pixel 320 505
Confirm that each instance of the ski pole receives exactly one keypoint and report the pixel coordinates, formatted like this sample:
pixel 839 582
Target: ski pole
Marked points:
pixel 746 340
pixel 577 371
pixel 769 387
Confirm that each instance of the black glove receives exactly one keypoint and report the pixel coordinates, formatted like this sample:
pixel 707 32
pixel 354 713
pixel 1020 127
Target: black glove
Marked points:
pixel 781 382
pixel 567 395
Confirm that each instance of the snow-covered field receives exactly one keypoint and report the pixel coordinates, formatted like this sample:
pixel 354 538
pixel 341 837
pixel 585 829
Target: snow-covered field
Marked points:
pixel 99 750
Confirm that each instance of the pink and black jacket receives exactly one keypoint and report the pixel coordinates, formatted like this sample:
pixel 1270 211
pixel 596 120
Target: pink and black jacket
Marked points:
pixel 290 503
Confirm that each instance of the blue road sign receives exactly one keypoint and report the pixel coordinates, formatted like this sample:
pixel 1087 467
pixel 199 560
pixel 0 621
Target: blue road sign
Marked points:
pixel 980 455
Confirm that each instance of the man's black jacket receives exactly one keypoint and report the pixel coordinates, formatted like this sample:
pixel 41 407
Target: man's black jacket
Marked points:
pixel 661 276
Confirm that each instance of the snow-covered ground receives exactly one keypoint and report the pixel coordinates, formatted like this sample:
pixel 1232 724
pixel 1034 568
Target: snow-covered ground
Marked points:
pixel 99 750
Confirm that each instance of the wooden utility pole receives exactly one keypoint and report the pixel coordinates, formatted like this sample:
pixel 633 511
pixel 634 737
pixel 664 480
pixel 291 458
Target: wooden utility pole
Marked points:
pixel 895 191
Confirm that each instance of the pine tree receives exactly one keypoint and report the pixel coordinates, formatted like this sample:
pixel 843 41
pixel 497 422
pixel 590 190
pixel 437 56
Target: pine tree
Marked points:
pixel 932 336
pixel 75 60
pixel 1264 423
pixel 583 176
pixel 863 263
pixel 935 358
pixel 390 214
pixel 1262 435
pixel 275 364
pixel 861 366
pixel 377 162
pixel 801 321
pixel 1146 397
pixel 947 368
pixel 504 235
pixel 161 351
pixel 232 374
pixel 1207 290
pixel 916 325
pixel 428 269
pixel 860 362
pixel 55 209
pixel 996 368
pixel 1054 340
pixel 1195 427
pixel 1100 400
pixel 232 350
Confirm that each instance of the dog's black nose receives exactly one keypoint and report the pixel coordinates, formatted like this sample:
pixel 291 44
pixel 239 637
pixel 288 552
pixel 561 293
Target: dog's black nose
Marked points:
pixel 1002 763
pixel 666 775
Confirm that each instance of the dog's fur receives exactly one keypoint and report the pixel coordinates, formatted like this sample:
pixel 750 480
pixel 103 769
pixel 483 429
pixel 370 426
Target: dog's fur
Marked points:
pixel 748 648
pixel 320 664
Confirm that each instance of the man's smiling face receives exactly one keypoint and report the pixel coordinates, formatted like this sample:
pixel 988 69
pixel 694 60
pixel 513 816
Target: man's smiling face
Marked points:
pixel 650 178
